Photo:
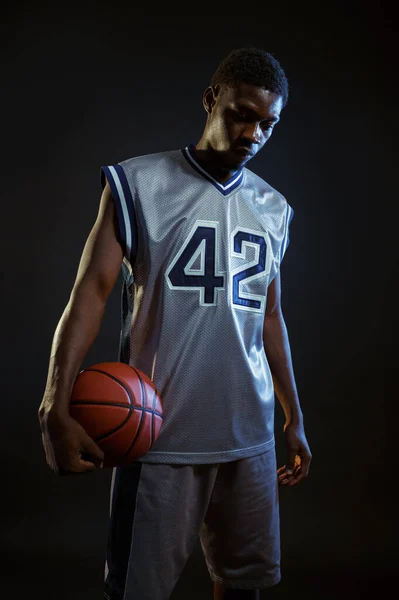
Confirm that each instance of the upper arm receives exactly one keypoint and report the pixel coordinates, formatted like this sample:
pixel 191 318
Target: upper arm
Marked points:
pixel 273 301
pixel 102 256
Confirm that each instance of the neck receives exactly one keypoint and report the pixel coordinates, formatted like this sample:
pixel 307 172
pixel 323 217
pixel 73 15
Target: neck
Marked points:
pixel 211 161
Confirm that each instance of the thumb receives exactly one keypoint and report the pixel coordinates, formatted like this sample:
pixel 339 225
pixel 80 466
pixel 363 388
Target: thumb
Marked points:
pixel 93 451
pixel 290 462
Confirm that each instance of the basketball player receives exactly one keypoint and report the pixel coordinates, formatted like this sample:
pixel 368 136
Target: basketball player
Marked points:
pixel 200 239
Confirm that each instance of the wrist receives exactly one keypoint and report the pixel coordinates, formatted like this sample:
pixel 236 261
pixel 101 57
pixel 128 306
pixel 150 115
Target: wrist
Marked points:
pixel 294 417
pixel 55 404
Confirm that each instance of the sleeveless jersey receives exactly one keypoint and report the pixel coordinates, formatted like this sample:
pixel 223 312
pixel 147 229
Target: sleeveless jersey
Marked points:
pixel 198 258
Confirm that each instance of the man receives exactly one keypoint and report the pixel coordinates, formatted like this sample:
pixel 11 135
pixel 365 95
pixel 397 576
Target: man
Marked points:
pixel 200 239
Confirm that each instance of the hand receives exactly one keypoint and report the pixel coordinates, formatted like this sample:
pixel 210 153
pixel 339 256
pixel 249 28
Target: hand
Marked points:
pixel 67 445
pixel 299 456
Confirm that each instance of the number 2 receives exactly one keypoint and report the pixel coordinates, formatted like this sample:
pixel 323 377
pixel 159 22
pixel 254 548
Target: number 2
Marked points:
pixel 241 239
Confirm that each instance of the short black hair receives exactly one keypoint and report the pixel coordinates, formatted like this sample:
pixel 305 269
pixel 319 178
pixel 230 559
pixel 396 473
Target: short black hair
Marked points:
pixel 254 66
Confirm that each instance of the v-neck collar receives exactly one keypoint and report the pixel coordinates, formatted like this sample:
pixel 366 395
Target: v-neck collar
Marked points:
pixel 225 188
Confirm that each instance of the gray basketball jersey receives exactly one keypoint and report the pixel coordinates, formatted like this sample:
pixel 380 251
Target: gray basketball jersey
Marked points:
pixel 198 258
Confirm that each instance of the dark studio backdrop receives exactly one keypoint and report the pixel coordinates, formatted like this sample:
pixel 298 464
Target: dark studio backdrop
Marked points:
pixel 96 85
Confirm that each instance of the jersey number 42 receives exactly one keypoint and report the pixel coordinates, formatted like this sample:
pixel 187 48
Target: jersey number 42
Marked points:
pixel 196 265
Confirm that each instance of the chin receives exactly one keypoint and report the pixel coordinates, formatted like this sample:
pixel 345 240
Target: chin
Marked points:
pixel 238 163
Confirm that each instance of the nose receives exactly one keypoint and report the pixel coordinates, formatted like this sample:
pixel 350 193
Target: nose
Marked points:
pixel 253 133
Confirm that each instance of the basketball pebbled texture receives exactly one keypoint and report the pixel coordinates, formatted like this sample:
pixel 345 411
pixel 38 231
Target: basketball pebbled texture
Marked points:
pixel 119 408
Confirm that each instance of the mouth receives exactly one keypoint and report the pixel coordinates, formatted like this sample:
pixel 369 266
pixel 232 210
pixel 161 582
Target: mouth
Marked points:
pixel 244 152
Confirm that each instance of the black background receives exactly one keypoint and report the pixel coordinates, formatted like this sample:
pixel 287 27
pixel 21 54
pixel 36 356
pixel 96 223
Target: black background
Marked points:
pixel 94 84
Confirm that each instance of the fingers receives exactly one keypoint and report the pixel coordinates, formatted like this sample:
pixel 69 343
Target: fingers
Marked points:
pixel 93 452
pixel 76 467
pixel 291 462
pixel 286 477
pixel 81 461
pixel 74 471
pixel 306 464
pixel 74 462
pixel 68 448
pixel 82 466
pixel 50 458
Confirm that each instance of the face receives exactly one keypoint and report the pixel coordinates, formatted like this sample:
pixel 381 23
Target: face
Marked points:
pixel 240 121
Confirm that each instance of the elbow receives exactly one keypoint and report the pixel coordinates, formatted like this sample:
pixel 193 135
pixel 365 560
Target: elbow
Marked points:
pixel 89 295
pixel 272 315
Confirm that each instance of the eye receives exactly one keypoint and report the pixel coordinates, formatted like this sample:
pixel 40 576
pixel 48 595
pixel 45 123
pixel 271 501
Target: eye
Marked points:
pixel 267 126
pixel 240 115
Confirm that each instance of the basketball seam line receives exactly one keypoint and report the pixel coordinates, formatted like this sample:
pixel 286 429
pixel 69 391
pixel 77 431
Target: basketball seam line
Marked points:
pixel 127 406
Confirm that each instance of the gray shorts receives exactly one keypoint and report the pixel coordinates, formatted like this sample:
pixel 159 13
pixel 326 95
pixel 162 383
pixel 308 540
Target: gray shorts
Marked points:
pixel 158 511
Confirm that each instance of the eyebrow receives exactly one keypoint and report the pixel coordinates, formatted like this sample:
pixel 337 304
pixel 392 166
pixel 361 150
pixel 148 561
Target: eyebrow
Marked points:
pixel 253 112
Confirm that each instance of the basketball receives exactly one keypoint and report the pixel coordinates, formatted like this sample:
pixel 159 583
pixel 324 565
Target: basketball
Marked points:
pixel 119 408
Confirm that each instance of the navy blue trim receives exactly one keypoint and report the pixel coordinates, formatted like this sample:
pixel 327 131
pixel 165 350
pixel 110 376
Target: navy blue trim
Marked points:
pixel 129 207
pixel 123 508
pixel 223 188
pixel 154 403
pixel 288 226
pixel 131 210
pixel 105 172
pixel 127 301
pixel 286 240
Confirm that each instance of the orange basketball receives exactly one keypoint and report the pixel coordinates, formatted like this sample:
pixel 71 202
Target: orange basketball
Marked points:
pixel 120 409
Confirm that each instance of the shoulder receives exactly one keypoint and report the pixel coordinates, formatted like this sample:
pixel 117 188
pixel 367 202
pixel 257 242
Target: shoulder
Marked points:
pixel 265 195
pixel 261 185
pixel 150 161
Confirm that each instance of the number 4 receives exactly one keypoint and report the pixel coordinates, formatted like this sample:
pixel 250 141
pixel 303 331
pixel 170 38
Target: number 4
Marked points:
pixel 200 246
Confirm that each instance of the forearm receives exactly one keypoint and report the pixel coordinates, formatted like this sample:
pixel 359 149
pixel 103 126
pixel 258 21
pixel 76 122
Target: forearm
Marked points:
pixel 74 335
pixel 278 353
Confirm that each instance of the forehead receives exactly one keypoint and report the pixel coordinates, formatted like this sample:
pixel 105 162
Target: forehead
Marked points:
pixel 261 101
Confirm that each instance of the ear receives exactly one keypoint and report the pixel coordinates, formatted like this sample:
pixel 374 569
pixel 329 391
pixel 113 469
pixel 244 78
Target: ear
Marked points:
pixel 209 97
